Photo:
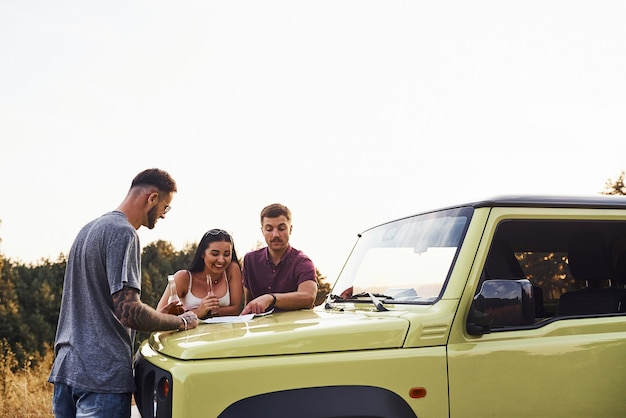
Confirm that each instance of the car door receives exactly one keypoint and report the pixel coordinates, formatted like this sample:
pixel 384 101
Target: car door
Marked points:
pixel 557 365
pixel 567 368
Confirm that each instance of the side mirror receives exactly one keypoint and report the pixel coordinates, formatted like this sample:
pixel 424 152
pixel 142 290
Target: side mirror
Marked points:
pixel 502 303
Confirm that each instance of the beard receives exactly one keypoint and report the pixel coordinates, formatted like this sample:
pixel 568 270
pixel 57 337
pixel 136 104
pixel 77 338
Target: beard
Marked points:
pixel 152 218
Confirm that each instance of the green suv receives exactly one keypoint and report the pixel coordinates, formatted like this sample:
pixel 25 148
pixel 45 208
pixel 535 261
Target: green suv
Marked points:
pixel 509 307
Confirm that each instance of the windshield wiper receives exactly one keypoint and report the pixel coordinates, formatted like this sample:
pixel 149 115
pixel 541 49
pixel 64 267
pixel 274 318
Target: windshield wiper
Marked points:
pixel 373 297
pixel 364 294
pixel 377 303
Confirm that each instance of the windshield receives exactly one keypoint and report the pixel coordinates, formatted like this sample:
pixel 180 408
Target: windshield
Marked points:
pixel 405 261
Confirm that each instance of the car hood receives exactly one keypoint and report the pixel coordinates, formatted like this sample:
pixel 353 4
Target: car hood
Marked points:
pixel 280 333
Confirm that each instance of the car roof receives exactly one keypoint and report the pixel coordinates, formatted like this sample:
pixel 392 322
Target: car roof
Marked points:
pixel 525 235
pixel 598 201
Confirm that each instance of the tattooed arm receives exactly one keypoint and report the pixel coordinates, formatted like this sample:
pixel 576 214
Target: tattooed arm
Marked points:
pixel 133 313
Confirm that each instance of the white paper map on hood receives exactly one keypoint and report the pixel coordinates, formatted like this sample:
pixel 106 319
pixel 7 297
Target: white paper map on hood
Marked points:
pixel 234 318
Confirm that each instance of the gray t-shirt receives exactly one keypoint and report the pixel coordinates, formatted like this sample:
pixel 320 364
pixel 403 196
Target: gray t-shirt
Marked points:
pixel 93 350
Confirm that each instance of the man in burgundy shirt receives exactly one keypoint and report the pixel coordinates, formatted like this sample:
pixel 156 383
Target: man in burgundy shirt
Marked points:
pixel 277 276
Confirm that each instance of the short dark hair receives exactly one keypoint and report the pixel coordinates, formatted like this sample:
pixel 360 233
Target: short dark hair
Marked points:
pixel 274 211
pixel 157 178
pixel 212 235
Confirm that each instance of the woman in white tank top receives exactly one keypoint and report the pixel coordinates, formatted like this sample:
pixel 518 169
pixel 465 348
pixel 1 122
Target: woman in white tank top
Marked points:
pixel 212 284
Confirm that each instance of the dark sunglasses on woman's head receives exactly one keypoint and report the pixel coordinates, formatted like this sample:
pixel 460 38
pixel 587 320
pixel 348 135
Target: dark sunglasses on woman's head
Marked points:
pixel 217 232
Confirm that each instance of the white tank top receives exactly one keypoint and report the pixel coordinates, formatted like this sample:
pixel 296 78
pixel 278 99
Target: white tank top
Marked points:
pixel 190 301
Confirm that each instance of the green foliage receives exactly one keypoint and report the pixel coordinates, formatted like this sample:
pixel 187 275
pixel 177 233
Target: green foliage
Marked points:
pixel 323 287
pixel 158 260
pixel 13 327
pixel 615 187
pixel 30 299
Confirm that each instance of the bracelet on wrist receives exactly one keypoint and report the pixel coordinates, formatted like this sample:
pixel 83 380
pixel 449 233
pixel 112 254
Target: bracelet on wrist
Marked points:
pixel 184 323
pixel 273 304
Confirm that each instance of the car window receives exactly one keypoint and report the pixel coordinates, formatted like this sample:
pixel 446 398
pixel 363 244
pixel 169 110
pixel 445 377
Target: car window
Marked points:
pixel 575 268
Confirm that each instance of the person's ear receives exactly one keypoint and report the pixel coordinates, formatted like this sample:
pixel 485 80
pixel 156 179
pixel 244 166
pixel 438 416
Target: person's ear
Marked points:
pixel 153 199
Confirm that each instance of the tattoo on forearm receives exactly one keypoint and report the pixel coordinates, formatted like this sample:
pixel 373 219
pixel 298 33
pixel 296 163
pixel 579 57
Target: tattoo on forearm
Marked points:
pixel 133 313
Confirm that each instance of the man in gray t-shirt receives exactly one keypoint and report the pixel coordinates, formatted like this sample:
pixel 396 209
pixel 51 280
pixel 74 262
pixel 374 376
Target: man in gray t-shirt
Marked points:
pixel 101 308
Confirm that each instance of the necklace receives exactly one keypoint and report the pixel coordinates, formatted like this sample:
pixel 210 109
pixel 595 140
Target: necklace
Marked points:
pixel 209 278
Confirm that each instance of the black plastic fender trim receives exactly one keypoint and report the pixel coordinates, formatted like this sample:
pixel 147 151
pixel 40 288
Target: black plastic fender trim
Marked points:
pixel 323 402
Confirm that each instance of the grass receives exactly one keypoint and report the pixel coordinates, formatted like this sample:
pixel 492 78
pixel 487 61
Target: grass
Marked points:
pixel 25 392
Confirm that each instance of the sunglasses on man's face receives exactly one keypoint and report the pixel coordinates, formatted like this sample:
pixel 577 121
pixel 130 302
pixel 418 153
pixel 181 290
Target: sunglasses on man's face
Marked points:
pixel 166 208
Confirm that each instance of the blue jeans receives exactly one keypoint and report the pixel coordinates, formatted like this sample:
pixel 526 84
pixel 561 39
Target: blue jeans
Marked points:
pixel 70 402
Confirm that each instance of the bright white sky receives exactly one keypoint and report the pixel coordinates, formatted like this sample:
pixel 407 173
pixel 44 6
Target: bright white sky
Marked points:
pixel 352 113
